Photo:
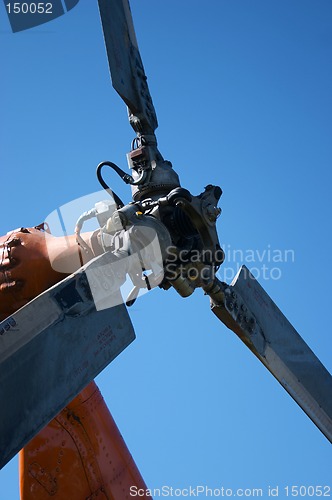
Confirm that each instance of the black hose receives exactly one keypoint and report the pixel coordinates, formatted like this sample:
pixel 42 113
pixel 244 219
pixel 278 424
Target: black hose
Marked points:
pixel 120 172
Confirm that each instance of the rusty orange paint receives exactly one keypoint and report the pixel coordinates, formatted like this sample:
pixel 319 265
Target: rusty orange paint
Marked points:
pixel 79 455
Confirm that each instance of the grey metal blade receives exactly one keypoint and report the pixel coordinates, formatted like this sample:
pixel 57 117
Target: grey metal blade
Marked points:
pixel 250 312
pixel 127 71
pixel 50 350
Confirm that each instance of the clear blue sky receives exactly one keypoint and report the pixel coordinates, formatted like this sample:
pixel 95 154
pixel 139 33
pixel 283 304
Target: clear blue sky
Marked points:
pixel 242 91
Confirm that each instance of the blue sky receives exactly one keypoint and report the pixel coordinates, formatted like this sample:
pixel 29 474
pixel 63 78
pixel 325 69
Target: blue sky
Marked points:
pixel 242 92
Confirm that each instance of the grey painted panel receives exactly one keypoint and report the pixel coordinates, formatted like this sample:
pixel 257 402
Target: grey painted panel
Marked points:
pixel 50 350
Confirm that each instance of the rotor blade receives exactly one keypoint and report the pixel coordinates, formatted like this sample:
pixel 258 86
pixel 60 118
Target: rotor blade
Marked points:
pixel 250 312
pixel 52 348
pixel 127 71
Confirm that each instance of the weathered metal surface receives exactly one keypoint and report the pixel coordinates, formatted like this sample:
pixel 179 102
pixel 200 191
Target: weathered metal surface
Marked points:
pixel 127 71
pixel 250 312
pixel 51 349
